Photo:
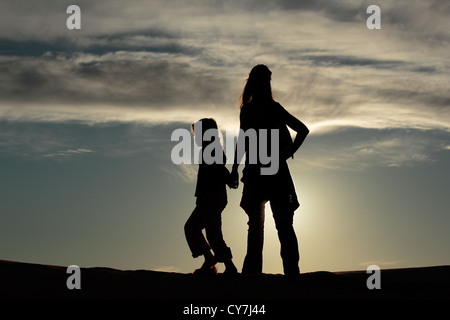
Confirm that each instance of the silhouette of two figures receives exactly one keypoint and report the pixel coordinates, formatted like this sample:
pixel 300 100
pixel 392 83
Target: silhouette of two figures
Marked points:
pixel 260 113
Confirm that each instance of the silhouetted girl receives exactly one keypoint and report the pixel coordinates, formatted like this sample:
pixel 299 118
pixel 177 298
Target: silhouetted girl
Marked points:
pixel 211 196
pixel 260 111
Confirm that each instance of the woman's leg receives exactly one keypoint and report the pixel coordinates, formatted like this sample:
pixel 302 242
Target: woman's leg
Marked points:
pixel 284 218
pixel 255 240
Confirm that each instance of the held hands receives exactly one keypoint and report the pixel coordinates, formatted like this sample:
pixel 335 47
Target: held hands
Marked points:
pixel 233 180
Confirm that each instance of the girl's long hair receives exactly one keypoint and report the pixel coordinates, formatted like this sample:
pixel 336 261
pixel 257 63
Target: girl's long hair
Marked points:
pixel 257 86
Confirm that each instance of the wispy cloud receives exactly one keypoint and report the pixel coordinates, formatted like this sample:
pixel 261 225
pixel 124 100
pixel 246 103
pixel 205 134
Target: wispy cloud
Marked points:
pixel 356 149
pixel 68 153
pixel 183 172
pixel 384 263
pixel 167 269
pixel 141 67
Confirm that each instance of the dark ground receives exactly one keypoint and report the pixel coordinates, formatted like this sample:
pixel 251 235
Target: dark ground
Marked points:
pixel 35 281
pixel 26 281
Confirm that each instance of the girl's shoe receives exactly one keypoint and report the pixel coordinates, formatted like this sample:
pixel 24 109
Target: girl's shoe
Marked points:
pixel 206 271
pixel 230 271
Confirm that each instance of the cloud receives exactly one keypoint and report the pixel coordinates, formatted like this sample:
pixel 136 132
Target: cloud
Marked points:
pixel 167 269
pixel 383 263
pixel 30 139
pixel 356 149
pixel 127 86
pixel 185 172
pixel 350 61
pixel 68 152
pixel 113 79
pixel 75 140
pixel 175 62
pixel 149 40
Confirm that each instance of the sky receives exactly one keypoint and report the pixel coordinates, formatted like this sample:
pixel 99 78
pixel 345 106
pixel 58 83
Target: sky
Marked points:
pixel 86 118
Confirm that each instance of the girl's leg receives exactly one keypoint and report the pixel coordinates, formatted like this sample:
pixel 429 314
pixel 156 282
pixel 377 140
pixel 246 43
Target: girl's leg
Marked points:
pixel 194 235
pixel 215 238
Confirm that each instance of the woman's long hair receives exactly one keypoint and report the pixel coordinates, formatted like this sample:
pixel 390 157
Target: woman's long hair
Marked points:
pixel 257 86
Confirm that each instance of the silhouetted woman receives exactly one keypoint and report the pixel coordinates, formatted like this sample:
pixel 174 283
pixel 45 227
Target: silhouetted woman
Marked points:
pixel 260 111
